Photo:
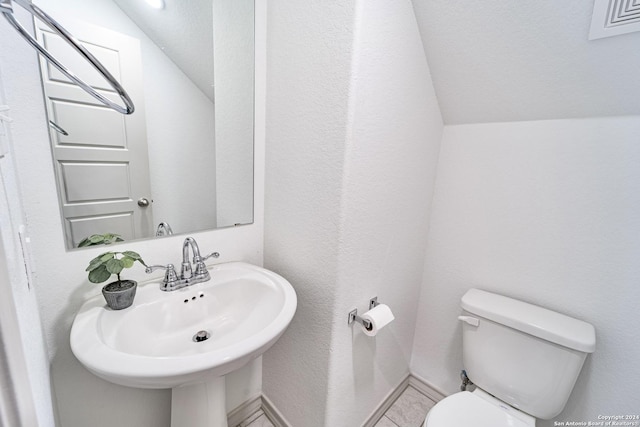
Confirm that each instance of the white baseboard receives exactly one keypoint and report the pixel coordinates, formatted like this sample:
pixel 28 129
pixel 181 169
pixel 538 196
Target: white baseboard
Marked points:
pixel 273 414
pixel 245 411
pixel 419 384
pixel 386 403
pixel 426 388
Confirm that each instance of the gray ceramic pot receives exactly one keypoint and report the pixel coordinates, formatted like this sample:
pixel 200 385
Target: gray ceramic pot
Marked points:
pixel 120 294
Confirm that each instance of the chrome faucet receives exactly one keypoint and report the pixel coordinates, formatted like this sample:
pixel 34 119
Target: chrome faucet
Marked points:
pixel 188 275
pixel 164 229
pixel 201 270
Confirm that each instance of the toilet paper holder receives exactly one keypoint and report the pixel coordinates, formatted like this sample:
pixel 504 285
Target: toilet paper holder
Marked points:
pixel 353 314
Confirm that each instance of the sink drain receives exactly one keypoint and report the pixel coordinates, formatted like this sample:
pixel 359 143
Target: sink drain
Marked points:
pixel 201 336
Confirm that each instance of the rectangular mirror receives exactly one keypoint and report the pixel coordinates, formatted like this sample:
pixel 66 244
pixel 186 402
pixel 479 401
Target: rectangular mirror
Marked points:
pixel 183 161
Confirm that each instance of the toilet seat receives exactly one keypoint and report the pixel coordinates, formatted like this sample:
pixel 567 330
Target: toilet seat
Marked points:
pixel 477 409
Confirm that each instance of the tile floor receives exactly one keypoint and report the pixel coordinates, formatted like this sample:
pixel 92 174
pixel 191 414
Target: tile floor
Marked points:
pixel 409 410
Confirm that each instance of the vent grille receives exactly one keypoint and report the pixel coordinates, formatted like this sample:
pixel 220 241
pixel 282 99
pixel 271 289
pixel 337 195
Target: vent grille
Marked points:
pixel 623 12
pixel 614 17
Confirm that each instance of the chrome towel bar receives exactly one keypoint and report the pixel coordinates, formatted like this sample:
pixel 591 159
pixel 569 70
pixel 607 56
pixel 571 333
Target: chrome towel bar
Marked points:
pixel 6 7
pixel 57 128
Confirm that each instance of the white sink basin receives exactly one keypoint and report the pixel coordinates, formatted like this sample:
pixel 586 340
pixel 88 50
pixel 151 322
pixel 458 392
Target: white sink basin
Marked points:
pixel 244 308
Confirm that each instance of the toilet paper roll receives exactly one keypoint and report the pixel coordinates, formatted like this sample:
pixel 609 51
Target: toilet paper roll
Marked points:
pixel 379 316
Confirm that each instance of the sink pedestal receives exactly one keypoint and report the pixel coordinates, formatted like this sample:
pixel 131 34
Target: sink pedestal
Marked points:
pixel 236 316
pixel 200 404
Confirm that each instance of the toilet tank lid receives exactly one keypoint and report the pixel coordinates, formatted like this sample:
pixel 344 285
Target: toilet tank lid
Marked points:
pixel 531 319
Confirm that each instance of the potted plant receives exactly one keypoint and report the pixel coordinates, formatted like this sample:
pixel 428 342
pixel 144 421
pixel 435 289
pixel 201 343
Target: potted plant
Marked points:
pixel 119 294
pixel 100 239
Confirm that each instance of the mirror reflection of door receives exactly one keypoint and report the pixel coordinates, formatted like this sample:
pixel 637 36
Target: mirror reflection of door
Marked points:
pixel 102 163
pixel 199 140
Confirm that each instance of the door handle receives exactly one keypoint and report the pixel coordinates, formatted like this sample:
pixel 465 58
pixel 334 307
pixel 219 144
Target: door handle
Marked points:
pixel 143 202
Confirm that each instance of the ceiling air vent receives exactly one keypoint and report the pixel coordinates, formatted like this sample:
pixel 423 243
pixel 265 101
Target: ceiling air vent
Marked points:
pixel 614 17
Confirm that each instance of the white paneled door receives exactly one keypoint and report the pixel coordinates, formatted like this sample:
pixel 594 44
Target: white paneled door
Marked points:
pixel 100 156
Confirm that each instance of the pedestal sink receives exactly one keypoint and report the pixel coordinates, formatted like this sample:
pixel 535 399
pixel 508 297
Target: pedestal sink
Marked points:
pixel 187 339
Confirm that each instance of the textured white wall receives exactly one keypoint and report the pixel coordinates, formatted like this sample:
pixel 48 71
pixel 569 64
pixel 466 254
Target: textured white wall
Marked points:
pixel 82 399
pixel 544 211
pixel 350 170
pixel 233 70
pixel 308 74
pixel 389 173
pixel 18 288
pixel 172 120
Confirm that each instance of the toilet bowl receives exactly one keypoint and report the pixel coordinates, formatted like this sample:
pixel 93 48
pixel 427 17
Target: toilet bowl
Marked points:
pixel 523 359
pixel 478 409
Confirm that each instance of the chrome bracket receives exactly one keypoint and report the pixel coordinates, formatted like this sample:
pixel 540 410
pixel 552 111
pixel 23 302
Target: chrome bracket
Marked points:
pixel 353 314
pixel 353 317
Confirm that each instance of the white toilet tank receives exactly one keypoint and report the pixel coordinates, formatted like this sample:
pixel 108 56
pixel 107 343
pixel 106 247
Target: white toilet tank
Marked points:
pixel 525 355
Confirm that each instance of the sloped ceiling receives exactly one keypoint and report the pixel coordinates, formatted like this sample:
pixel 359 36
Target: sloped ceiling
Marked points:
pixel 505 60
pixel 185 34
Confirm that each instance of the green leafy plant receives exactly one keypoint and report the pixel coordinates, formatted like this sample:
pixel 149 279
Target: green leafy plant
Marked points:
pixel 104 265
pixel 100 239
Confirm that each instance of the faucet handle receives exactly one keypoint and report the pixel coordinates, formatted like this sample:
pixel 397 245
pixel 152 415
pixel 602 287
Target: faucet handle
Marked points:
pixel 211 255
pixel 152 268
pixel 170 276
pixel 201 269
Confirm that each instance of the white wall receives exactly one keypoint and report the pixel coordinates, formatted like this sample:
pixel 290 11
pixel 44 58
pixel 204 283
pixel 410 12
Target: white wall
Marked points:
pixel 233 71
pixel 546 212
pixel 353 138
pixel 390 166
pixel 32 388
pixel 308 72
pixel 61 283
pixel 176 110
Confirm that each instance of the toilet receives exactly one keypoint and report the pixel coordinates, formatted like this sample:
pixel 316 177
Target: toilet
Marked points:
pixel 523 359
